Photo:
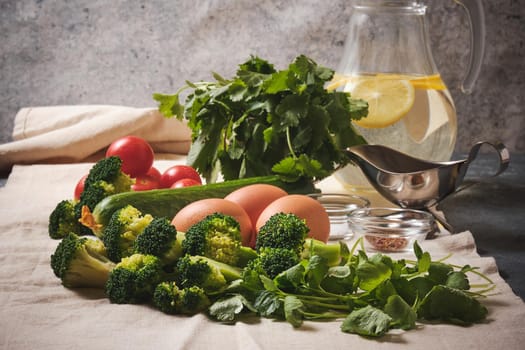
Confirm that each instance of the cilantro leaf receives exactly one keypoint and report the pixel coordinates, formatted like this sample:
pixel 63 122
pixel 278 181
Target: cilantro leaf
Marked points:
pixel 265 121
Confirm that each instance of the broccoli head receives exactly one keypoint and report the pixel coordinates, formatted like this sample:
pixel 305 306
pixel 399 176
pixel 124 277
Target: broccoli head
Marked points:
pixel 63 220
pixel 211 275
pixel 81 262
pixel 134 278
pixel 120 233
pixel 270 263
pixel 282 230
pixel 218 237
pixel 160 238
pixel 170 299
pixel 105 178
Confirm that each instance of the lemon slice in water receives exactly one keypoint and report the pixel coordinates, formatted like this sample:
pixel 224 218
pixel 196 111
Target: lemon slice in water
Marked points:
pixel 388 100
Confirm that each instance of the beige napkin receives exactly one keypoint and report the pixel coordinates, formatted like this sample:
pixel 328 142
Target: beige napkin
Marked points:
pixel 64 134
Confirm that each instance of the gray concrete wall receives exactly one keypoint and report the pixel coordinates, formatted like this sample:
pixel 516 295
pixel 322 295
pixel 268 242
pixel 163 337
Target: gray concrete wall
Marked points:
pixel 120 52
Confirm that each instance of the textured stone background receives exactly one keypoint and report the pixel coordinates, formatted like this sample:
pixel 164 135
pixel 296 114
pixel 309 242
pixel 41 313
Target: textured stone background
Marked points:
pixel 120 52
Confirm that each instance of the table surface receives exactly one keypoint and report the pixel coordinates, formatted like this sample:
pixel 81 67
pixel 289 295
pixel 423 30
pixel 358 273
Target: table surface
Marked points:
pixel 493 209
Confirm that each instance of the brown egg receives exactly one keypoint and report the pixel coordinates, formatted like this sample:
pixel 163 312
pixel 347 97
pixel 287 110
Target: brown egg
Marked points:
pixel 304 207
pixel 254 199
pixel 196 211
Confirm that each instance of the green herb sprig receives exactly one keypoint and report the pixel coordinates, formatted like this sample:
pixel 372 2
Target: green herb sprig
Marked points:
pixel 264 121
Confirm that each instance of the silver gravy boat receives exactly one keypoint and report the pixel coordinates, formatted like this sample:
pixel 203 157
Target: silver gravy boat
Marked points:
pixel 415 183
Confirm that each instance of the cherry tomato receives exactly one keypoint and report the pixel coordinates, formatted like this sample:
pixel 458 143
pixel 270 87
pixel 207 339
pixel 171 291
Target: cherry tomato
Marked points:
pixel 79 188
pixel 154 173
pixel 185 183
pixel 178 172
pixel 136 154
pixel 145 183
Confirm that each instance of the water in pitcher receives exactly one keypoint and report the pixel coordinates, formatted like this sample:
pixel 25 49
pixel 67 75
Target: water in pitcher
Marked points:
pixel 387 61
pixel 413 114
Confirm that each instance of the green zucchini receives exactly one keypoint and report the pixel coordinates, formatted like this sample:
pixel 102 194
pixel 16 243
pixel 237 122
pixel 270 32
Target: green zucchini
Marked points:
pixel 167 202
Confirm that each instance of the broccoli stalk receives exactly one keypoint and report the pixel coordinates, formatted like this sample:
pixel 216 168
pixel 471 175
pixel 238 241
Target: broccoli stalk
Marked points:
pixel 122 230
pixel 160 238
pixel 81 262
pixel 134 279
pixel 170 299
pixel 213 276
pixel 218 237
pixel 332 254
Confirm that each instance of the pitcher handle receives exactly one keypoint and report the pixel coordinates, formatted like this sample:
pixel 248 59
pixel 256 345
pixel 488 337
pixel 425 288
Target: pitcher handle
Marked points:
pixel 476 20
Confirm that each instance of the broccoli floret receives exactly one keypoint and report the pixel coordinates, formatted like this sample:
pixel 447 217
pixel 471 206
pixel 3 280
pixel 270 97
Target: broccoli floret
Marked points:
pixel 134 278
pixel 209 274
pixel 170 299
pixel 104 179
pixel 333 254
pixel 273 261
pixel 81 262
pixel 218 237
pixel 63 220
pixel 122 230
pixel 282 230
pixel 160 238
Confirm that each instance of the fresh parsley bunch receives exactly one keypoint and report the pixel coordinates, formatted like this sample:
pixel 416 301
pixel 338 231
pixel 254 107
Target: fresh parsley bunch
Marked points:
pixel 264 121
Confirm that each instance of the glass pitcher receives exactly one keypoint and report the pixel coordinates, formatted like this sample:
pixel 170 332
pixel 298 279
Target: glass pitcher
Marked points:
pixel 387 61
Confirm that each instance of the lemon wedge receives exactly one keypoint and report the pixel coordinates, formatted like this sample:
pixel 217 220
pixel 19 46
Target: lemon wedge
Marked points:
pixel 388 100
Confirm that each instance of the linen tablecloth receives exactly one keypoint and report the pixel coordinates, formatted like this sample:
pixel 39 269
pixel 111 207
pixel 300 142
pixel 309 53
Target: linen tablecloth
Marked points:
pixel 37 312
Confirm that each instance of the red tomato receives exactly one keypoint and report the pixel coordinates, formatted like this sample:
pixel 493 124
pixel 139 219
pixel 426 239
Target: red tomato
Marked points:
pixel 136 154
pixel 80 187
pixel 145 183
pixel 178 172
pixel 185 183
pixel 154 173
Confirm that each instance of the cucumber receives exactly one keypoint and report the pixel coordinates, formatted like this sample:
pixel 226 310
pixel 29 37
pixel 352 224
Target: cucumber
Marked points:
pixel 167 202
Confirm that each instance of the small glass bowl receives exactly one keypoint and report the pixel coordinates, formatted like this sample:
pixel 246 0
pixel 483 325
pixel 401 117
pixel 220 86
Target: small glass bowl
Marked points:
pixel 391 229
pixel 338 207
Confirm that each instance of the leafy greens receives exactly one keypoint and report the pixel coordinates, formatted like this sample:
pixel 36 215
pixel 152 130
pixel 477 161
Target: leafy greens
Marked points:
pixel 369 294
pixel 264 121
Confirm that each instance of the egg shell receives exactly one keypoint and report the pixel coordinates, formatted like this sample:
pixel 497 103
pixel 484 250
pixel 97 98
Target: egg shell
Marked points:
pixel 255 198
pixel 198 210
pixel 304 207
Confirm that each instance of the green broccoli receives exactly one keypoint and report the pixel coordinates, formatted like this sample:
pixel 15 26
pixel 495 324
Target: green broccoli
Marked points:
pixel 218 237
pixel 332 254
pixel 104 179
pixel 134 278
pixel 160 238
pixel 122 230
pixel 81 262
pixel 63 220
pixel 283 230
pixel 170 299
pixel 211 275
pixel 271 262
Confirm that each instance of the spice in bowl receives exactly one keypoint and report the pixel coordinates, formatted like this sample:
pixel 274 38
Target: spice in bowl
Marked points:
pixel 391 229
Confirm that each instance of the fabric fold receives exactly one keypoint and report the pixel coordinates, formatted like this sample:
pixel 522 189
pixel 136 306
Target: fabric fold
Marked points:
pixel 67 134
